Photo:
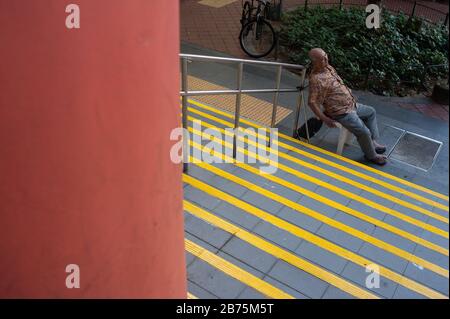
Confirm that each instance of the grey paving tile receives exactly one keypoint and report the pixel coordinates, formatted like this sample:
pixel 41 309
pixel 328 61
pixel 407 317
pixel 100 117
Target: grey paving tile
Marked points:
pixel 440 211
pixel 229 187
pixel 335 293
pixel 394 239
pixel 287 289
pixel 214 280
pixel 377 199
pixel 383 189
pixel 236 215
pixel 410 228
pixel 405 293
pixel 280 190
pixel 200 173
pixel 425 181
pixel 358 275
pixel 201 198
pixel 250 293
pixel 383 257
pixel 399 169
pixel 367 210
pixel 354 222
pixel 297 155
pixel 439 240
pixel 333 195
pixel 221 183
pixel 347 187
pixel 299 219
pixel 227 167
pixel 248 176
pixel 205 231
pixel 439 224
pixel 262 202
pixel 199 292
pixel 318 206
pixel 431 256
pixel 321 257
pixel 249 254
pixel 298 181
pixel 278 236
pixel 415 202
pixel 340 238
pixel 298 279
pixel 309 171
pixel 427 278
pixel 410 212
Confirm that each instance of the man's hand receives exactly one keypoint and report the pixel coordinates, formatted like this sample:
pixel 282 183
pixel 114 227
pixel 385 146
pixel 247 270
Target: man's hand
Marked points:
pixel 329 122
pixel 316 110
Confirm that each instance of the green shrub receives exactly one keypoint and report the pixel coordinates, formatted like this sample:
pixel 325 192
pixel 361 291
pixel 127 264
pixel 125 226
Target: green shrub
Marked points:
pixel 396 54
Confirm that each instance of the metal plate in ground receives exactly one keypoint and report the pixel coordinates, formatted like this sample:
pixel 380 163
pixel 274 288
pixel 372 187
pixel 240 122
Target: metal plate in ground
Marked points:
pixel 416 150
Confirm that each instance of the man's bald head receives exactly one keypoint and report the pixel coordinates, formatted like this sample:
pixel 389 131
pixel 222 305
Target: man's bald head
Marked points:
pixel 319 58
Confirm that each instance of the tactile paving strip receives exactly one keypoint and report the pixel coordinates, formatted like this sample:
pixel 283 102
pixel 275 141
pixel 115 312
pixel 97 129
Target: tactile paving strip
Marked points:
pixel 252 108
pixel 216 3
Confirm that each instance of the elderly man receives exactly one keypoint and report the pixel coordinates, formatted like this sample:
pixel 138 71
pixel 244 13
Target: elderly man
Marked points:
pixel 327 89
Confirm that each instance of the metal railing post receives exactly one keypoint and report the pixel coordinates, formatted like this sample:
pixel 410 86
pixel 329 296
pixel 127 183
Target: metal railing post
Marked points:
pixel 275 98
pixel 413 13
pixel 306 5
pixel 299 104
pixel 305 115
pixel 237 111
pixel 184 104
pixel 340 4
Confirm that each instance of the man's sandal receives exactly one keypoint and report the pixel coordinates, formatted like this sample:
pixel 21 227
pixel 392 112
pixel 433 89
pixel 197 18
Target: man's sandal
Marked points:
pixel 379 160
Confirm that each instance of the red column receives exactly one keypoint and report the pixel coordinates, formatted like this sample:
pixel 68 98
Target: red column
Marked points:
pixel 85 171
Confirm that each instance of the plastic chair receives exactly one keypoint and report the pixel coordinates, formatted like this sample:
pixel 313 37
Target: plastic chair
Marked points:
pixel 345 137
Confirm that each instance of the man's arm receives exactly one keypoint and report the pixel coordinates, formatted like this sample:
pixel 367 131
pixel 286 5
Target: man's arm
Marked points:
pixel 315 100
pixel 318 112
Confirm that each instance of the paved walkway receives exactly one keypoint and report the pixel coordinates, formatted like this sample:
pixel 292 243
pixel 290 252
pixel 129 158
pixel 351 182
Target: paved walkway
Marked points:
pixel 214 25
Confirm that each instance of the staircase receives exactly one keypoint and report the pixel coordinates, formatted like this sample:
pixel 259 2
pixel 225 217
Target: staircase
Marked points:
pixel 316 228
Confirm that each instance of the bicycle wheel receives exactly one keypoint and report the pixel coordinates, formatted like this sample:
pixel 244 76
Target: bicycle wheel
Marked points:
pixel 257 38
pixel 246 13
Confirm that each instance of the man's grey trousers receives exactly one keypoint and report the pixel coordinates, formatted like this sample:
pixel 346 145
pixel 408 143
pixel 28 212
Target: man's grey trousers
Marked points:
pixel 363 124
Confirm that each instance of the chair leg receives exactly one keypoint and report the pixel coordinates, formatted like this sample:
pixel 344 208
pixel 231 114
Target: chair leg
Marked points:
pixel 342 140
pixel 349 137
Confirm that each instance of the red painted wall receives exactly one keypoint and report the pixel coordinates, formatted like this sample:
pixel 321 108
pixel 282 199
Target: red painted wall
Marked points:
pixel 85 171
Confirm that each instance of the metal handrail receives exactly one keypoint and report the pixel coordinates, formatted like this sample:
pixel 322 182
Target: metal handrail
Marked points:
pixel 185 93
pixel 246 61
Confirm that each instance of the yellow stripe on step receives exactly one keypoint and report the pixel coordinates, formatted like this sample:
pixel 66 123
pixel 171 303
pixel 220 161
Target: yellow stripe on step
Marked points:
pixel 235 272
pixel 329 221
pixel 316 240
pixel 347 160
pixel 319 198
pixel 279 253
pixel 338 190
pixel 334 175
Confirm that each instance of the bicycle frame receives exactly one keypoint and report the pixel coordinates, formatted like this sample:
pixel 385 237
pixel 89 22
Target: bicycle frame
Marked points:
pixel 260 8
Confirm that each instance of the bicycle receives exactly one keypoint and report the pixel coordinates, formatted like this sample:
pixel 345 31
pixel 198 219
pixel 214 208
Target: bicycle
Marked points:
pixel 257 37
